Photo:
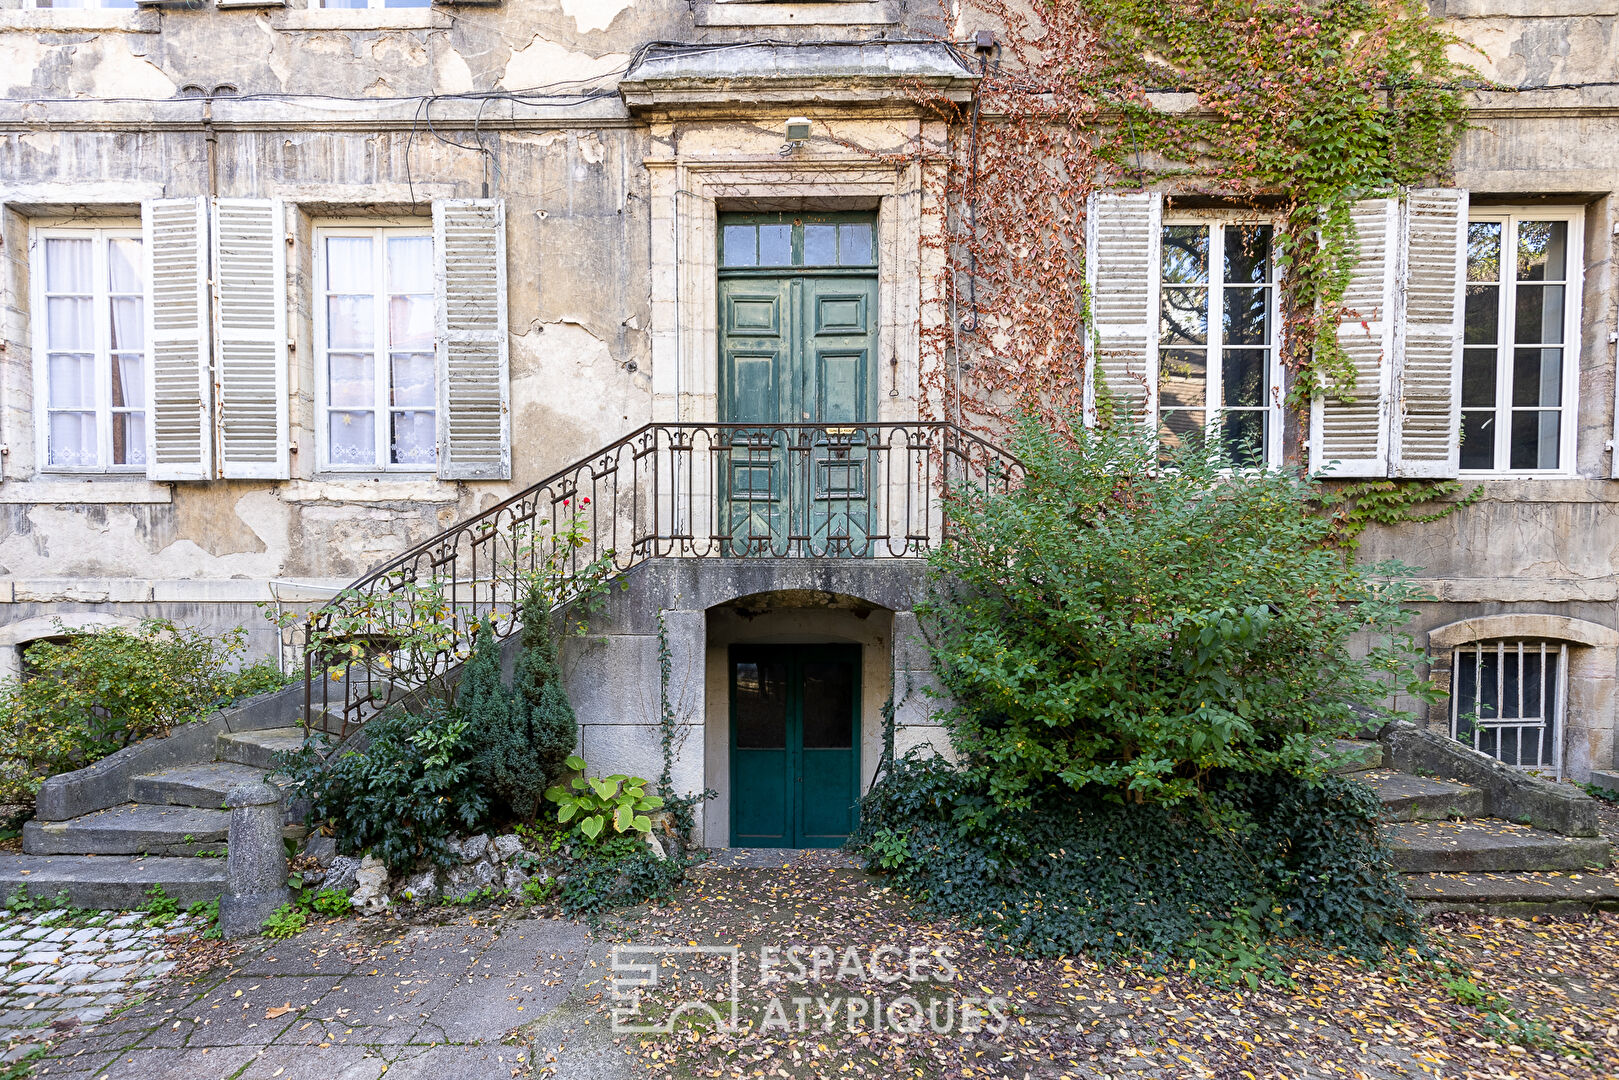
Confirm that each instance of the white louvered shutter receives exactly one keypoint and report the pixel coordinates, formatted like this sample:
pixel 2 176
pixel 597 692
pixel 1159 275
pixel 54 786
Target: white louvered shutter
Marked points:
pixel 1122 238
pixel 1351 438
pixel 1428 382
pixel 469 244
pixel 179 437
pixel 250 338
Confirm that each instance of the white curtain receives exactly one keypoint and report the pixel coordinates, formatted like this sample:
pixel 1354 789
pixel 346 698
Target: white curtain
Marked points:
pixel 70 344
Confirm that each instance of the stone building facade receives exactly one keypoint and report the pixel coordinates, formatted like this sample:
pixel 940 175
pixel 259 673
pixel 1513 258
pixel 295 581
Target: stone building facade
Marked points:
pixel 289 288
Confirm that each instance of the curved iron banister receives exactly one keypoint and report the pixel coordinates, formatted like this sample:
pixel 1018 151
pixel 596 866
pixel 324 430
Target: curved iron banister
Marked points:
pixel 684 490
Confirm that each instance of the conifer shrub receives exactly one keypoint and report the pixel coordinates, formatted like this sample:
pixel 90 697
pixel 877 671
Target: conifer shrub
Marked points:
pixel 524 733
pixel 541 700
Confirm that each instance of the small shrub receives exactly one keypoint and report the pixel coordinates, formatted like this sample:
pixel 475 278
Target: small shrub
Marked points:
pixel 1467 992
pixel 285 921
pixel 208 912
pixel 403 795
pixel 591 804
pixel 333 903
pixel 160 907
pixel 617 871
pixel 478 897
pixel 537 890
pixel 99 691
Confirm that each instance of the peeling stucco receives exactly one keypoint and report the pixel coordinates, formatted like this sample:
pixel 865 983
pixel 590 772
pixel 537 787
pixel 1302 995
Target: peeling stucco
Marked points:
pixel 590 15
pixel 546 64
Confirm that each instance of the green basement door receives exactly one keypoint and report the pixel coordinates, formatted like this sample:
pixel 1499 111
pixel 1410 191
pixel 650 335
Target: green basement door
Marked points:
pixel 798 341
pixel 795 757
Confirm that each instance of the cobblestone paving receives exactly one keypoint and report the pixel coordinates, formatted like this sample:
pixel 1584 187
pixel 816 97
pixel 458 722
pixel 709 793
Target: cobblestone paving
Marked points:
pixel 62 969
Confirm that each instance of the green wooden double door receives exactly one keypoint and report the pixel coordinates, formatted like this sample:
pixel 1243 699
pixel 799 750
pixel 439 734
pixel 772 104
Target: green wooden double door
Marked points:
pixel 798 344
pixel 795 738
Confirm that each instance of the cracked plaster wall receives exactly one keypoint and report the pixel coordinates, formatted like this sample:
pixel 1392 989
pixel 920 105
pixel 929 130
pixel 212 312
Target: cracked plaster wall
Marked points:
pixel 579 227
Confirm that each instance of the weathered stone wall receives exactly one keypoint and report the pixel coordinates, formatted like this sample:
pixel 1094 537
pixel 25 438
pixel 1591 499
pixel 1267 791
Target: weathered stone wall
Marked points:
pixel 342 112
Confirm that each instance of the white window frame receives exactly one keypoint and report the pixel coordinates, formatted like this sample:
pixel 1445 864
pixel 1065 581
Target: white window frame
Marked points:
pixel 378 231
pixel 87 5
pixel 370 5
pixel 1218 221
pixel 39 330
pixel 1568 428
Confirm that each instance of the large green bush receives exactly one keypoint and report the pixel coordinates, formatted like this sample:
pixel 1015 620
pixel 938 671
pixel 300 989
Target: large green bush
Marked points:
pixel 95 692
pixel 400 796
pixel 1133 625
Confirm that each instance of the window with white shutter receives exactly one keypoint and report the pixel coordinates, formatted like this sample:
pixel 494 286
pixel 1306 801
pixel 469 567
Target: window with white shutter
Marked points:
pixel 1217 336
pixel 250 338
pixel 1521 342
pixel 1121 274
pixel 469 242
pixel 375 365
pixel 1350 438
pixel 179 431
pixel 1428 381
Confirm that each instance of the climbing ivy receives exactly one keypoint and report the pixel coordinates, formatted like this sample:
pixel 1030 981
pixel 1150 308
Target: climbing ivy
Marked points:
pixel 1292 108
pixel 1351 507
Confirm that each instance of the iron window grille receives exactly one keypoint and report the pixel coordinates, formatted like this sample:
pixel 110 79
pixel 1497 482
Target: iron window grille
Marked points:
pixel 1507 701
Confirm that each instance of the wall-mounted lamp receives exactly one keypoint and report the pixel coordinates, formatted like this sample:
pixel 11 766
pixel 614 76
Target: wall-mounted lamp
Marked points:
pixel 798 133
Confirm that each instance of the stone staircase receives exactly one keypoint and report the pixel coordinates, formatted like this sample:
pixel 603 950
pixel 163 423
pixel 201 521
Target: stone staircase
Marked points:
pixel 151 814
pixel 1452 856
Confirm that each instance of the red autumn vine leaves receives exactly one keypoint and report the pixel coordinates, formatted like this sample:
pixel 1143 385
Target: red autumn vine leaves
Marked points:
pixel 1293 109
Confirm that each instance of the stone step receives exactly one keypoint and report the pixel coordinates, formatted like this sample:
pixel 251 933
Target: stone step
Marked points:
pixel 134 829
pixel 1420 798
pixel 258 748
pixel 111 882
pixel 1513 894
pixel 1489 846
pixel 1361 754
pixel 203 784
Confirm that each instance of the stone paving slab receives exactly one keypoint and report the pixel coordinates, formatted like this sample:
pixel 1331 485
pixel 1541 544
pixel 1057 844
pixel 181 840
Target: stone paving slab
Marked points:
pixel 430 1002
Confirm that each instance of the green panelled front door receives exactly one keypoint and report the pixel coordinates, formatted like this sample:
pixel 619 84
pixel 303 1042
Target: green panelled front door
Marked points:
pixel 795 758
pixel 798 342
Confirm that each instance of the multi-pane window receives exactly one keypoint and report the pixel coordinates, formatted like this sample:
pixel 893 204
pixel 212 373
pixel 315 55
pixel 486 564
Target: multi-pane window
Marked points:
pixel 1217 336
pixel 374 333
pixel 62 4
pixel 373 3
pixel 1507 701
pixel 90 348
pixel 772 240
pixel 1518 354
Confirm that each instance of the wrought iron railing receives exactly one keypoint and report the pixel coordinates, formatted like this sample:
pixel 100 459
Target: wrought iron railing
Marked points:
pixel 857 491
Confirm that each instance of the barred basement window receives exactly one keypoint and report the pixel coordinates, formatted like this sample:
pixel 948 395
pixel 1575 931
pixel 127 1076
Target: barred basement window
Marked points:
pixel 1507 701
pixel 375 337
